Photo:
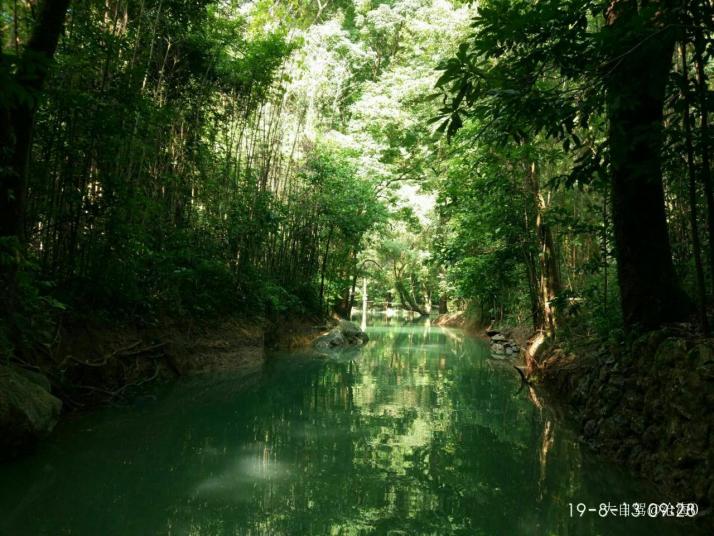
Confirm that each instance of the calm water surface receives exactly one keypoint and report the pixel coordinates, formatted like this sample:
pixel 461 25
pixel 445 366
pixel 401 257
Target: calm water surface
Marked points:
pixel 419 433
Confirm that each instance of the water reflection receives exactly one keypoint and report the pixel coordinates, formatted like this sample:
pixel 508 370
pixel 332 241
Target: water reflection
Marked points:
pixel 420 433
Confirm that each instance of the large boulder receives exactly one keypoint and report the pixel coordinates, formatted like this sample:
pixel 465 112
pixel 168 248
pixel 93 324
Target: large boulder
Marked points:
pixel 28 411
pixel 344 335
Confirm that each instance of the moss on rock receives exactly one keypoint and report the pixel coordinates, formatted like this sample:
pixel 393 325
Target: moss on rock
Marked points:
pixel 28 411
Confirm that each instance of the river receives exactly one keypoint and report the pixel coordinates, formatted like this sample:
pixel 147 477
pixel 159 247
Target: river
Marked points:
pixel 421 432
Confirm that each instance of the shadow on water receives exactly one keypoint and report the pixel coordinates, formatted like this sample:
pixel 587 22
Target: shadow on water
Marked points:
pixel 419 433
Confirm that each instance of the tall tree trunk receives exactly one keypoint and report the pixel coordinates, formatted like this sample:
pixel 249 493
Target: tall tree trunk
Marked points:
pixel 605 251
pixel 17 116
pixel 351 302
pixel 635 79
pixel 405 295
pixel 692 176
pixel 16 119
pixel 531 270
pixel 549 285
pixel 533 294
pixel 408 300
pixel 702 90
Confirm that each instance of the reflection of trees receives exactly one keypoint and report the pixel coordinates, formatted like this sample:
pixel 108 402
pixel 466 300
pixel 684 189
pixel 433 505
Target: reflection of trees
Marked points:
pixel 419 434
pixel 422 434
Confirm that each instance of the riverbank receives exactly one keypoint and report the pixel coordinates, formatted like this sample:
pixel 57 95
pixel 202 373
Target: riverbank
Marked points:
pixel 94 363
pixel 646 406
pixel 461 320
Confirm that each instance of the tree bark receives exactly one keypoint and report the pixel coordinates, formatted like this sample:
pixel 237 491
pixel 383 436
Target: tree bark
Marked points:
pixel 17 116
pixel 549 284
pixel 529 263
pixel 692 176
pixel 408 301
pixel 642 44
pixel 16 121
pixel 351 302
pixel 323 270
pixel 702 89
pixel 405 295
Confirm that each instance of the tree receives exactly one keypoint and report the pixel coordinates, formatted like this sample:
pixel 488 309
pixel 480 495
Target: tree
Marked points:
pixel 22 79
pixel 17 112
pixel 531 68
pixel 640 44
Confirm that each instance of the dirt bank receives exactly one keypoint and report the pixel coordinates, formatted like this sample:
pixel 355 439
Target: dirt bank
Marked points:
pixel 460 320
pixel 92 363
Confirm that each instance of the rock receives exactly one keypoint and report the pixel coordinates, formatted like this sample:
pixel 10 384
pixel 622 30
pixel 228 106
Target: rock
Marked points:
pixel 333 339
pixel 702 354
pixel 492 332
pixel 650 407
pixel 34 377
pixel 344 335
pixel 670 352
pixel 502 346
pixel 706 371
pixel 498 348
pixel 352 331
pixel 617 381
pixel 28 411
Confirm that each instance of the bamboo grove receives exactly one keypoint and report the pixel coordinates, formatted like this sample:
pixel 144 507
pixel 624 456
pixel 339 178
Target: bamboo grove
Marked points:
pixel 174 165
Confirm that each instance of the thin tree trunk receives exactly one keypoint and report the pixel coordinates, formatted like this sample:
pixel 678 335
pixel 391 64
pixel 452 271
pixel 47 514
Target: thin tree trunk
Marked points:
pixel 531 272
pixel 443 304
pixel 605 253
pixel 351 303
pixel 323 270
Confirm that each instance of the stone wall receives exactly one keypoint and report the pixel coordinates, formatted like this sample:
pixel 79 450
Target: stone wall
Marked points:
pixel 650 407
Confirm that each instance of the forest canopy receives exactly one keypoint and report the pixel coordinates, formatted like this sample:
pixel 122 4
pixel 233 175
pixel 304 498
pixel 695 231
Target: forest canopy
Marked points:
pixel 534 162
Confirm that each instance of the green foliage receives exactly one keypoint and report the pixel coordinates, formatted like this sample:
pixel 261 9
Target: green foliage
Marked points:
pixel 512 68
pixel 176 167
pixel 527 88
pixel 30 310
pixel 195 157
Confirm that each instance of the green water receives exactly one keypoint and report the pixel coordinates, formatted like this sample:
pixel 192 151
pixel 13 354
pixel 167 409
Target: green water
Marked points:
pixel 420 433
